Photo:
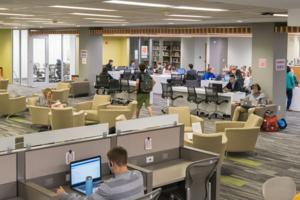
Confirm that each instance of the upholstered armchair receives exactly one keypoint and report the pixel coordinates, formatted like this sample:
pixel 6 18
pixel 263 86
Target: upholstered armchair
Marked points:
pixel 62 85
pixel 91 108
pixel 213 142
pixel 242 136
pixel 61 95
pixel 39 115
pixel 186 118
pixel 132 106
pixel 61 118
pixel 109 115
pixel 11 105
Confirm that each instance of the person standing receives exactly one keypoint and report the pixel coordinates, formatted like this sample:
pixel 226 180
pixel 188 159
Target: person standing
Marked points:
pixel 144 85
pixel 290 84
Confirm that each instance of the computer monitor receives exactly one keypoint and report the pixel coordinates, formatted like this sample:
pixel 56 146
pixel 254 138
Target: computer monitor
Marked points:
pixel 218 86
pixel 79 170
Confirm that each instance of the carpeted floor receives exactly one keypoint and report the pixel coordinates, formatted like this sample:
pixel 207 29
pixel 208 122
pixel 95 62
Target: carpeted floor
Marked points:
pixel 276 154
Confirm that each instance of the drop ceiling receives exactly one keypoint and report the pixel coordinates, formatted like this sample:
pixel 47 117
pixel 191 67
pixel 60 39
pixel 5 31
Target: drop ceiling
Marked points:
pixel 38 14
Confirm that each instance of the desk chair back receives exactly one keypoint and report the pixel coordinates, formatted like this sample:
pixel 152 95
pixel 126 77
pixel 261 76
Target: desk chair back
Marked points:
pixel 127 74
pixel 61 118
pixel 192 83
pixel 3 84
pixel 198 175
pixel 114 86
pixel 279 188
pixel 176 79
pixel 154 195
pixel 167 91
pixel 4 102
pixel 192 95
pixel 211 94
pixel 125 87
pixel 102 81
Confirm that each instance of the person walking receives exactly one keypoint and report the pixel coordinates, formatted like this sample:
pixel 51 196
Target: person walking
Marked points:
pixel 290 84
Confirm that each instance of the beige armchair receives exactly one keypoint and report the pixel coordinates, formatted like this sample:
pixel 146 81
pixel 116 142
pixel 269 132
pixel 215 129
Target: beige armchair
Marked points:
pixel 214 142
pixel 62 85
pixel 39 115
pixel 132 106
pixel 3 85
pixel 65 118
pixel 186 118
pixel 260 111
pixel 242 136
pixel 11 106
pixel 110 115
pixel 91 108
pixel 61 95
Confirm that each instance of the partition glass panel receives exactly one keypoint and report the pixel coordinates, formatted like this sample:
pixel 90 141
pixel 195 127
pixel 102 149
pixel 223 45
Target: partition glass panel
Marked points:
pixel 69 56
pixel 24 57
pixel 55 58
pixel 39 60
pixel 16 56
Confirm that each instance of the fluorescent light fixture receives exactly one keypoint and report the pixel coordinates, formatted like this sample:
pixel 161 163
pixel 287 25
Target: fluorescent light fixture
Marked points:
pixel 16 14
pixel 280 15
pixel 189 16
pixel 184 20
pixel 134 3
pixel 239 21
pixel 95 15
pixel 106 19
pixel 3 9
pixel 80 8
pixel 103 22
pixel 199 8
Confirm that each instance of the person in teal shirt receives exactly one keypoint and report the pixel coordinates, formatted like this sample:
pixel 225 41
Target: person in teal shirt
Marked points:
pixel 290 84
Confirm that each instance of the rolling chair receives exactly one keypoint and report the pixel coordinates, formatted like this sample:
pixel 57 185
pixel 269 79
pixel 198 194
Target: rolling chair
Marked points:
pixel 154 195
pixel 211 96
pixel 197 181
pixel 193 98
pixel 102 82
pixel 114 86
pixel 193 83
pixel 125 87
pixel 167 93
pixel 127 74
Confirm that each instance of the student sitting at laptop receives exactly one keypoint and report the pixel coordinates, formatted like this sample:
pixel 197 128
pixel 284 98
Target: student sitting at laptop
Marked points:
pixel 255 98
pixel 233 85
pixel 126 184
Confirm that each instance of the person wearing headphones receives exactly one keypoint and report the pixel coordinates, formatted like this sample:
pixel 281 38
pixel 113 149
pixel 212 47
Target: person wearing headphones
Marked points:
pixel 256 97
pixel 125 185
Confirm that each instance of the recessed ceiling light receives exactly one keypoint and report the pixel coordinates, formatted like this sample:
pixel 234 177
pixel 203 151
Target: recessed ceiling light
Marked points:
pixel 29 18
pixel 171 23
pixel 239 21
pixel 106 19
pixel 134 3
pixel 80 8
pixel 189 16
pixel 185 20
pixel 95 15
pixel 280 15
pixel 16 14
pixel 199 8
pixel 104 22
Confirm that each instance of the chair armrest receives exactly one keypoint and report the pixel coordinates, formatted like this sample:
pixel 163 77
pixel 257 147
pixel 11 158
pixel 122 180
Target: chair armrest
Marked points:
pixel 17 104
pixel 188 143
pixel 195 119
pixel 78 118
pixel 116 107
pixel 87 105
pixel 102 106
pixel 221 126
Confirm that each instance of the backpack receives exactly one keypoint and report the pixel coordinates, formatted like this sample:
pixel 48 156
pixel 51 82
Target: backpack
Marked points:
pixel 270 122
pixel 282 123
pixel 146 83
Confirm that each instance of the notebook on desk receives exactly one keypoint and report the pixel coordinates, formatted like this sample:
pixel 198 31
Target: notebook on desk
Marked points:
pixel 79 170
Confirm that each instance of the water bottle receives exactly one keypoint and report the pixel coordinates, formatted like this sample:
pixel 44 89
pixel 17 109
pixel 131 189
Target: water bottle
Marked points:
pixel 89 186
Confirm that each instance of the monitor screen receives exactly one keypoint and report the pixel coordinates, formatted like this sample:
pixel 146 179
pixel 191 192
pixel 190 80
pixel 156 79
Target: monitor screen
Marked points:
pixel 84 168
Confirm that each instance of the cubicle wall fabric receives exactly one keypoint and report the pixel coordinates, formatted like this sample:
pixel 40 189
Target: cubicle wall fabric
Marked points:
pixel 8 174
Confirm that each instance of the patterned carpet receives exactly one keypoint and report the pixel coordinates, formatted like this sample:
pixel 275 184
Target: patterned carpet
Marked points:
pixel 276 154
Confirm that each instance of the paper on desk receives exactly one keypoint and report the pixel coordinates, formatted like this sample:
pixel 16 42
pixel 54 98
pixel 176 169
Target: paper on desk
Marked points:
pixel 197 127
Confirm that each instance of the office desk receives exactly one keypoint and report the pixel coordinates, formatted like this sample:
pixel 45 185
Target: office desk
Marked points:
pixel 232 97
pixel 168 172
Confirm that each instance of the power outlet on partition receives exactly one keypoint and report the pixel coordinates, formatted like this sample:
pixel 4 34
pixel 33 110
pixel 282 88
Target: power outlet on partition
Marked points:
pixel 149 159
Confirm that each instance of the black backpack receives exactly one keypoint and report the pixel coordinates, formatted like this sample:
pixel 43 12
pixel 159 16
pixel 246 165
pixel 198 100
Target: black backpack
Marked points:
pixel 146 83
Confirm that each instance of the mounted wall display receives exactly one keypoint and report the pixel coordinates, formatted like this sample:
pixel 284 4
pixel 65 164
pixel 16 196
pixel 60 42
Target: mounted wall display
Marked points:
pixel 280 64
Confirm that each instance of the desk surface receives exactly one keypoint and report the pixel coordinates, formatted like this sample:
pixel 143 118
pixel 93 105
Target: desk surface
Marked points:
pixel 168 172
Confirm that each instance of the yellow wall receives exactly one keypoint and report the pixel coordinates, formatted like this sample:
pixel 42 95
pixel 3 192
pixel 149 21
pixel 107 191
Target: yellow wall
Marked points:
pixel 117 49
pixel 6 52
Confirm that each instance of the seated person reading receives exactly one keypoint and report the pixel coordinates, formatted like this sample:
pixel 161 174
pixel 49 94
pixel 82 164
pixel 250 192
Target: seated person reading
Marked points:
pixel 125 185
pixel 233 85
pixel 46 100
pixel 256 98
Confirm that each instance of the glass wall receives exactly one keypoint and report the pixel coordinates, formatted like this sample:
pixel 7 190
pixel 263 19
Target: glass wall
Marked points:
pixel 16 57
pixel 24 56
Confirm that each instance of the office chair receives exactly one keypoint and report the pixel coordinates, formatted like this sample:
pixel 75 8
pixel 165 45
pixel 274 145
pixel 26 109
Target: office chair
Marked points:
pixel 198 176
pixel 102 82
pixel 125 87
pixel 154 195
pixel 127 74
pixel 192 83
pixel 194 98
pixel 114 86
pixel 167 93
pixel 211 96
pixel 176 79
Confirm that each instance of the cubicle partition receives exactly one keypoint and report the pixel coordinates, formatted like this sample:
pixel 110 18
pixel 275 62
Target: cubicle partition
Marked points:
pixel 8 174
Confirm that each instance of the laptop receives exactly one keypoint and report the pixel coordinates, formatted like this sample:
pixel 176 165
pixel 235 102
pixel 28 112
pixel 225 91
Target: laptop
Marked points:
pixel 79 170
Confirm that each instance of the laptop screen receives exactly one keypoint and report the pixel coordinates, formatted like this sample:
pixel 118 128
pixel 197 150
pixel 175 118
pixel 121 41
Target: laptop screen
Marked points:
pixel 84 168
